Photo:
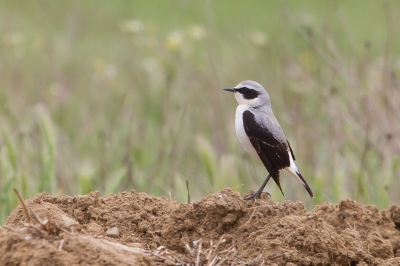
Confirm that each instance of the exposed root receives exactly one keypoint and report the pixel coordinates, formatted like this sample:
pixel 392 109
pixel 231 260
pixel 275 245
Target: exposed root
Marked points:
pixel 212 256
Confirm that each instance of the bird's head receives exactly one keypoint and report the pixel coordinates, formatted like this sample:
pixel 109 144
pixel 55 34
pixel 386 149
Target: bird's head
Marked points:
pixel 250 93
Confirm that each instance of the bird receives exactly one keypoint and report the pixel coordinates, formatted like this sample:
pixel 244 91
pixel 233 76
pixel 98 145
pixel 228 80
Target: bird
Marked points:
pixel 260 134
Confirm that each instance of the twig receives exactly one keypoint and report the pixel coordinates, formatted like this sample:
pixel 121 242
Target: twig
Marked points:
pixel 23 206
pixel 188 248
pixel 198 251
pixel 214 251
pixel 187 186
pixel 352 228
pixel 211 248
pixel 251 215
pixel 220 241
pixel 9 228
pixel 212 263
pixel 101 213
pixel 61 245
pixel 234 256
pixel 37 217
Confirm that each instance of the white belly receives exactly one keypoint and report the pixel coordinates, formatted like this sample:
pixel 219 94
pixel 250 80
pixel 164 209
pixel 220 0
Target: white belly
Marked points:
pixel 240 132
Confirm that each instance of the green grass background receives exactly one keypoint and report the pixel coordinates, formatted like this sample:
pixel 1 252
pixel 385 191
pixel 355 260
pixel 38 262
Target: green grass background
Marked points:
pixel 121 95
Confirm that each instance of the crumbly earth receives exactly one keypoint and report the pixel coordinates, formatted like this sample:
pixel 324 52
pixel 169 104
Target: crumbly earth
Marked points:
pixel 133 228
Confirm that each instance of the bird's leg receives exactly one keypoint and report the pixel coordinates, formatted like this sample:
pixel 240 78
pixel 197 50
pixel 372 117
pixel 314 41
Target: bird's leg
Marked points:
pixel 253 196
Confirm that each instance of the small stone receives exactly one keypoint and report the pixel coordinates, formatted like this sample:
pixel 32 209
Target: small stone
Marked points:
pixel 94 229
pixel 113 232
pixel 230 218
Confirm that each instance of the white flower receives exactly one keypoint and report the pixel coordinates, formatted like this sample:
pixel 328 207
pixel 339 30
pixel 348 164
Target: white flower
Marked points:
pixel 15 38
pixel 258 38
pixel 133 26
pixel 110 71
pixel 197 32
pixel 306 19
pixel 174 40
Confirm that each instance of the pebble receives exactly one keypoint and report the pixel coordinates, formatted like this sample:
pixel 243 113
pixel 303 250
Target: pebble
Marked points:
pixel 113 232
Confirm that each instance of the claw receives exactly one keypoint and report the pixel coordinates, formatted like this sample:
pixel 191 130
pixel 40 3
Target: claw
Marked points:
pixel 253 196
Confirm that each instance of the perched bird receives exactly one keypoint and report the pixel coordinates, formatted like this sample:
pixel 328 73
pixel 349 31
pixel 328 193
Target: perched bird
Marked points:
pixel 261 135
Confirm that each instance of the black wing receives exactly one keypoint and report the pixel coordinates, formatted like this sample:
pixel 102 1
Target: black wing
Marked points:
pixel 272 152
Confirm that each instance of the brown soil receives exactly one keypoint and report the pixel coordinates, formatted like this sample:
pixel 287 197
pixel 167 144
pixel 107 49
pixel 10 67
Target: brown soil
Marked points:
pixel 220 228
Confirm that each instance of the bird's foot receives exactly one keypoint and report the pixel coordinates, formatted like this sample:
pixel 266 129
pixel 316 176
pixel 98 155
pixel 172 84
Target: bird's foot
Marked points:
pixel 256 195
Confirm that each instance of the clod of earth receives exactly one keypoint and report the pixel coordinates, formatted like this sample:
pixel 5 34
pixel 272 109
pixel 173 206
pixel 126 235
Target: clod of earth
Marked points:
pixel 133 228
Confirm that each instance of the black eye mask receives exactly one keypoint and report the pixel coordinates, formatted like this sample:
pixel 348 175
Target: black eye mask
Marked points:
pixel 248 93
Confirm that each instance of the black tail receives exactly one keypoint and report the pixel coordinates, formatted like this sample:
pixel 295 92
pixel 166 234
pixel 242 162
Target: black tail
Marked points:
pixel 278 182
pixel 305 184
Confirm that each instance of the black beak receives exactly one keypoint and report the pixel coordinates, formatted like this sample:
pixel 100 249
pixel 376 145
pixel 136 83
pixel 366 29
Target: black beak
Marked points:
pixel 230 89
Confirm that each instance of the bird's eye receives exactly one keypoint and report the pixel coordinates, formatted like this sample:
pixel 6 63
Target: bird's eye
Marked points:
pixel 244 90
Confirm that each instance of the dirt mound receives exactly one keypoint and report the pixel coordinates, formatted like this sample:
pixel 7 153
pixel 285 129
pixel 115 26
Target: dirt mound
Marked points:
pixel 133 228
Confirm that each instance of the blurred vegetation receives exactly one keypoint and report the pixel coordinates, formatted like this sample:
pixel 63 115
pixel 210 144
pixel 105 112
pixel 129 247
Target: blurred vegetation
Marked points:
pixel 121 95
